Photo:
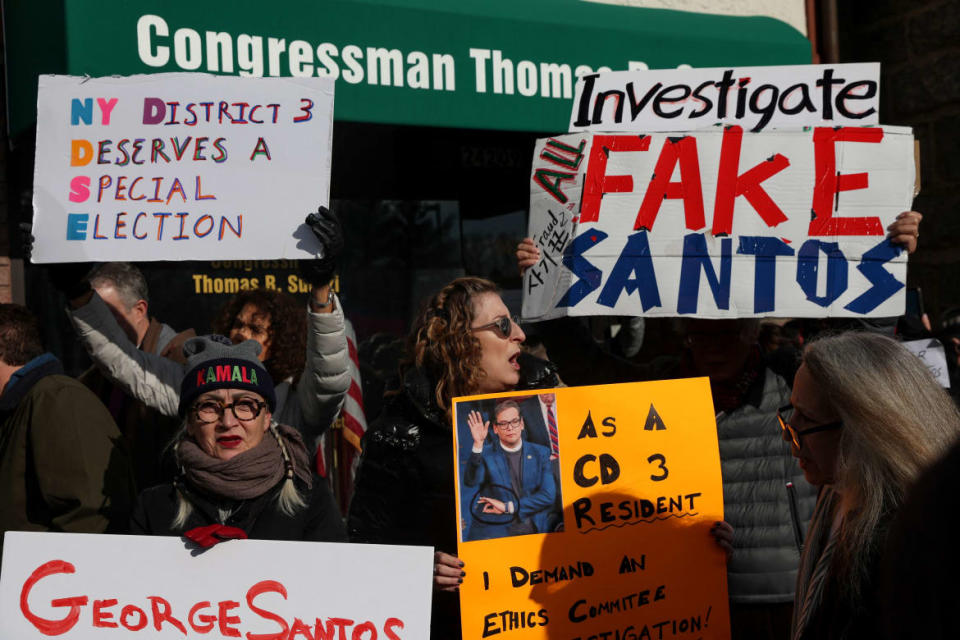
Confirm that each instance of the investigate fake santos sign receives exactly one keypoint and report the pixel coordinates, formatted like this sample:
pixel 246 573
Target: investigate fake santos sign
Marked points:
pixel 720 222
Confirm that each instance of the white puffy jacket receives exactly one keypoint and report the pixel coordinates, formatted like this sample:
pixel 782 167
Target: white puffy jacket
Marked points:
pixel 155 380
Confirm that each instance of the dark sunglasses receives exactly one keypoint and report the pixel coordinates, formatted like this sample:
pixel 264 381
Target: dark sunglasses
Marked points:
pixel 502 326
pixel 797 436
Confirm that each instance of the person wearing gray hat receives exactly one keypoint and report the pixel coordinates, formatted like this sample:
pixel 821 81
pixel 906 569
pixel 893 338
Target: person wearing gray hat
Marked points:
pixel 240 473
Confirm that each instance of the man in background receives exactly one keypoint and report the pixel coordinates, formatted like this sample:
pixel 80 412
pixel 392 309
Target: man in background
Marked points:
pixel 62 466
pixel 146 431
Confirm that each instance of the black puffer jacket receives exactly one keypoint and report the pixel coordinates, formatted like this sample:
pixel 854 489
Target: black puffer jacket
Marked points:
pixel 404 488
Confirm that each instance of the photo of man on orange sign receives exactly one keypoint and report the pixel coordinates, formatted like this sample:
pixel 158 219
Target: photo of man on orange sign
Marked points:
pixel 508 483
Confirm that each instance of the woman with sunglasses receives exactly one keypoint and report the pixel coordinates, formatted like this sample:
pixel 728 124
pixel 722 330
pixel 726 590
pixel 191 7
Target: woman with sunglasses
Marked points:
pixel 463 343
pixel 240 473
pixel 867 418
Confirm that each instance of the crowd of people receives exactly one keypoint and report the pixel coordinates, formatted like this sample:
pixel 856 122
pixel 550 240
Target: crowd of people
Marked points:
pixel 822 439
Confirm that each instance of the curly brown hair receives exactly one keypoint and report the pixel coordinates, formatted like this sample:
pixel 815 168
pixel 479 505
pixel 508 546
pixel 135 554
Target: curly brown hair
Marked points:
pixel 441 343
pixel 288 329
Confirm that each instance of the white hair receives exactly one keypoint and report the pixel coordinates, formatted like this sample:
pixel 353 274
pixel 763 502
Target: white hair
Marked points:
pixel 896 421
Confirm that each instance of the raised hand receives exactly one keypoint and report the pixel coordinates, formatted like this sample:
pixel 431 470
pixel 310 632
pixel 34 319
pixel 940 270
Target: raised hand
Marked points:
pixel 325 225
pixel 478 428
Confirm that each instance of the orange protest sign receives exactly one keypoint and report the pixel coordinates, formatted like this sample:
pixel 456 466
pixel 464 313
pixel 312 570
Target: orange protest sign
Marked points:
pixel 585 513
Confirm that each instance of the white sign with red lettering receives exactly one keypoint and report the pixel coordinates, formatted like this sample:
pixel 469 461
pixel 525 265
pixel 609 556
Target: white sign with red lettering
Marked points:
pixel 98 587
pixel 720 223
pixel 754 98
pixel 179 166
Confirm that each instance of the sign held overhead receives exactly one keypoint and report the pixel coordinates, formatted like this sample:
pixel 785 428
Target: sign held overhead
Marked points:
pixel 179 166
pixel 720 223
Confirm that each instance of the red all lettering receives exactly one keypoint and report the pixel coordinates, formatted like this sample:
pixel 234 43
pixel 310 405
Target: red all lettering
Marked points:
pixel 51 627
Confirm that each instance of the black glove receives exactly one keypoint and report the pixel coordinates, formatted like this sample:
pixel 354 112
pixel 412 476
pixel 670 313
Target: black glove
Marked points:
pixel 326 226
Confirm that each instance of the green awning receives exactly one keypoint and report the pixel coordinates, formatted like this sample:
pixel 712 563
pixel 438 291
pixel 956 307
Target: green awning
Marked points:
pixel 495 64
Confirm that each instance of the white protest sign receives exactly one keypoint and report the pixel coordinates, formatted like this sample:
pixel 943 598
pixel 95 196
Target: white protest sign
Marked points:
pixel 931 352
pixel 752 97
pixel 179 166
pixel 720 223
pixel 98 587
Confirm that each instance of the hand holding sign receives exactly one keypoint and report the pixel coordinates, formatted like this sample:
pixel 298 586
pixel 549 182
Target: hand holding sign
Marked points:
pixel 448 572
pixel 325 225
pixel 527 254
pixel 905 230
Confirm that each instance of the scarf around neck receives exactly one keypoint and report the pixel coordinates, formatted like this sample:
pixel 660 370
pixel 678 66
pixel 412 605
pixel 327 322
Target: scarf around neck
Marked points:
pixel 249 474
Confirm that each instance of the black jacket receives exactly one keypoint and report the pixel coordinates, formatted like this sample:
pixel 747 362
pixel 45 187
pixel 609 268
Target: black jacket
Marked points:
pixel 404 491
pixel 259 517
pixel 62 465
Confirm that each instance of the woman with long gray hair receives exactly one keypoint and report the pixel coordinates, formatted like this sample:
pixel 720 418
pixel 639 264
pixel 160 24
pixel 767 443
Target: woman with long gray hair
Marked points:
pixel 240 473
pixel 867 418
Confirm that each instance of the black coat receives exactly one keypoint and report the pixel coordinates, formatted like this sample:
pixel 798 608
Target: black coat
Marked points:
pixel 404 491
pixel 259 517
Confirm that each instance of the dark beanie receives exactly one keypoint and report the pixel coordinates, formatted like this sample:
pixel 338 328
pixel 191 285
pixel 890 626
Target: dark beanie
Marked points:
pixel 213 362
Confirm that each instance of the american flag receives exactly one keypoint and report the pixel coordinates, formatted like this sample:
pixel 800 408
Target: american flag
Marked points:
pixel 348 431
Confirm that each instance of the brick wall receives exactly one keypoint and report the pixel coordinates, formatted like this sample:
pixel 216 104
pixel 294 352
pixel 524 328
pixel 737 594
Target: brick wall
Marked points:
pixel 917 43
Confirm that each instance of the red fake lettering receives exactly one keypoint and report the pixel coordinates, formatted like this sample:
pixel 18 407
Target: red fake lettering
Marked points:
pixel 267 586
pixel 206 620
pixel 829 183
pixel 161 614
pixel 224 621
pixel 51 627
pixel 596 180
pixel 683 152
pixel 748 184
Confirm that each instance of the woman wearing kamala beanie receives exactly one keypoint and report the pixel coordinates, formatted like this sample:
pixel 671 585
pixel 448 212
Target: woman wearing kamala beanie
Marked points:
pixel 240 474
